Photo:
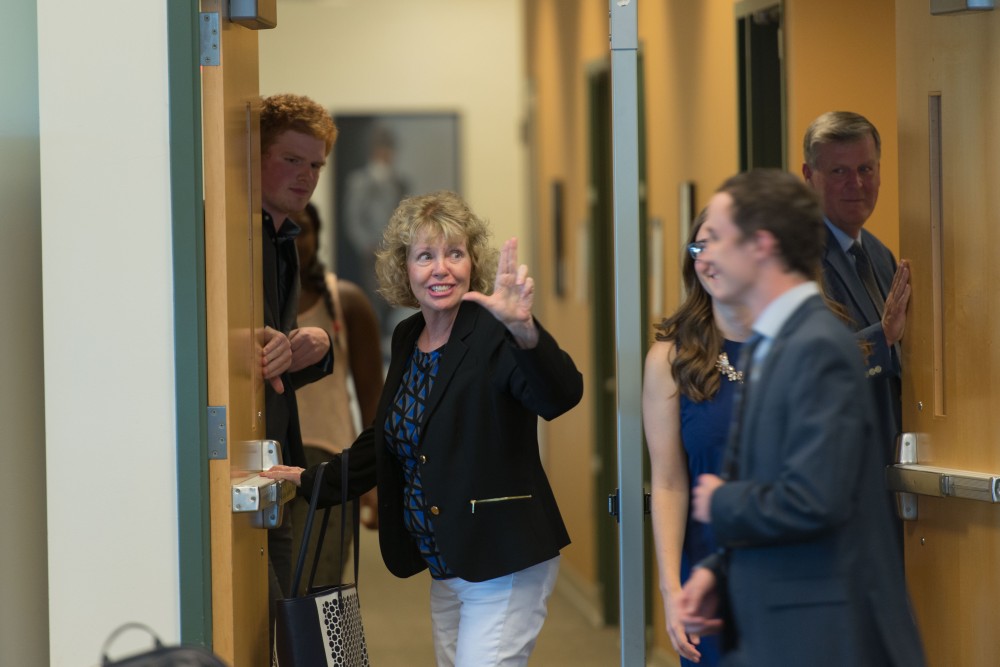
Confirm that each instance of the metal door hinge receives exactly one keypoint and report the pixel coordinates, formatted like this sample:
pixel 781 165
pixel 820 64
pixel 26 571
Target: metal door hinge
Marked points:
pixel 614 504
pixel 217 433
pixel 209 54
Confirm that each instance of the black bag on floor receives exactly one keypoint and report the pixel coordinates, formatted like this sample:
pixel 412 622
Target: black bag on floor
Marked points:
pixel 160 655
pixel 323 626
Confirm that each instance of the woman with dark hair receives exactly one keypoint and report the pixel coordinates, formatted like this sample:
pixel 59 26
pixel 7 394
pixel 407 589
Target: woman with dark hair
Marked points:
pixel 326 419
pixel 454 444
pixel 688 388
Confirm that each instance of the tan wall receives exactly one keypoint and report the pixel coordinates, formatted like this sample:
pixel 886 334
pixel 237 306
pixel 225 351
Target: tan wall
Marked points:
pixel 833 60
pixel 416 56
pixel 563 39
pixel 836 61
pixel 107 303
pixel 691 119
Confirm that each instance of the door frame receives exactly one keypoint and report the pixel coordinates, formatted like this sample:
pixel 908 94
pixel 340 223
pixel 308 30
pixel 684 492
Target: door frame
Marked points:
pixel 602 298
pixel 762 86
pixel 601 233
pixel 190 356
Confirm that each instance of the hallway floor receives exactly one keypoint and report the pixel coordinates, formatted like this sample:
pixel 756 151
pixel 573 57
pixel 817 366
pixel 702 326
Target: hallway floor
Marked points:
pixel 397 622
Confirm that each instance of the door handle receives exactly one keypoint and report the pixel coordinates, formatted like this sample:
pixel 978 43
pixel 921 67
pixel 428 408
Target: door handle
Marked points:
pixel 266 498
pixel 910 479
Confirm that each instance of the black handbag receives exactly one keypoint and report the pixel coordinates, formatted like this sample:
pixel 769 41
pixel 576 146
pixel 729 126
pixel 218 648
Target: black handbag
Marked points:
pixel 160 655
pixel 322 627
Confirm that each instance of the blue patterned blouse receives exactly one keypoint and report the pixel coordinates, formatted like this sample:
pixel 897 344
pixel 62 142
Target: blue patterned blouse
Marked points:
pixel 402 437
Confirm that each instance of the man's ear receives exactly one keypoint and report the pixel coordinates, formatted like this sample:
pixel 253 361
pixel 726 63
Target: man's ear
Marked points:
pixel 766 243
pixel 807 173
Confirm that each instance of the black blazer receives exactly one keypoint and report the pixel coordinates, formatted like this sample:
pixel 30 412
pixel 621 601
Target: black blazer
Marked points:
pixel 478 443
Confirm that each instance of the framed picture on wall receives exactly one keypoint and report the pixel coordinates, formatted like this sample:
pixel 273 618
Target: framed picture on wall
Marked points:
pixel 685 218
pixel 378 160
pixel 558 239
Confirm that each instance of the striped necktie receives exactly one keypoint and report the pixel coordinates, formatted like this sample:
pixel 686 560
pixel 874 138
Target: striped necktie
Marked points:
pixel 864 268
pixel 730 467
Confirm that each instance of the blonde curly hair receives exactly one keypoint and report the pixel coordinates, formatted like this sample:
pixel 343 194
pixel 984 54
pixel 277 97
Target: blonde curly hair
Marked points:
pixel 283 112
pixel 441 214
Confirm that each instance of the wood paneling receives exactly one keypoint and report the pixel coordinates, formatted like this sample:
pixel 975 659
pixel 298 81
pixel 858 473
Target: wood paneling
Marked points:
pixel 952 345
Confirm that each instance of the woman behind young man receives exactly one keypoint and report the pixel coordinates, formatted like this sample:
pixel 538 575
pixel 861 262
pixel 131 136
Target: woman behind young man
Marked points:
pixel 453 447
pixel 689 383
pixel 340 308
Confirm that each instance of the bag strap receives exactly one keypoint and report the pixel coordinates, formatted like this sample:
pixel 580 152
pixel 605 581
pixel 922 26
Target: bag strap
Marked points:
pixel 105 660
pixel 307 530
pixel 356 516
pixel 340 324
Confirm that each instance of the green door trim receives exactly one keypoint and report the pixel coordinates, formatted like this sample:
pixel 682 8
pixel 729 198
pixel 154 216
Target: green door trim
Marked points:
pixel 602 324
pixel 191 382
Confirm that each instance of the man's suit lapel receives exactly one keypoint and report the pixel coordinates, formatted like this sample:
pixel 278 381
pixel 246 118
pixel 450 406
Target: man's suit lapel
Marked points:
pixel 883 265
pixel 842 271
pixel 757 390
pixel 754 392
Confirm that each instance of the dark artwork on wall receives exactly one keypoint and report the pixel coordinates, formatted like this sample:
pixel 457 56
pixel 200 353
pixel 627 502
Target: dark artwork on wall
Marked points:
pixel 559 239
pixel 378 160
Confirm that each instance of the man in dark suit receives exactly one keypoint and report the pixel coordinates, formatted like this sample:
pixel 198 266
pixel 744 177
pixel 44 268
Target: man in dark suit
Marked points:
pixel 807 574
pixel 842 152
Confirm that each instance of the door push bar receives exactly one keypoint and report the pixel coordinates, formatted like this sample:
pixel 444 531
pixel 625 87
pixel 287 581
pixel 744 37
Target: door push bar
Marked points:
pixel 910 479
pixel 264 497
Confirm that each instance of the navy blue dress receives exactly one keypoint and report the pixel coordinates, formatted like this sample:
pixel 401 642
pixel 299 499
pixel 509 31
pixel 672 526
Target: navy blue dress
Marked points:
pixel 704 432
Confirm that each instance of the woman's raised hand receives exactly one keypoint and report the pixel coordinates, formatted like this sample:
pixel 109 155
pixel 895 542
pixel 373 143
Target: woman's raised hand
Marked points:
pixel 512 298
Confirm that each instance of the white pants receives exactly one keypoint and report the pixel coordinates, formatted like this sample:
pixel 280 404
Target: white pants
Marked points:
pixel 491 623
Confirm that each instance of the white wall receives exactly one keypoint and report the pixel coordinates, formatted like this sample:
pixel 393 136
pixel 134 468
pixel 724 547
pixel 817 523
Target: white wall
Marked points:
pixel 23 586
pixel 412 56
pixel 108 342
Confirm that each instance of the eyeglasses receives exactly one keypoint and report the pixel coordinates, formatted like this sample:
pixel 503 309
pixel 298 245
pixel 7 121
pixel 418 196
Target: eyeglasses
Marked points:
pixel 695 249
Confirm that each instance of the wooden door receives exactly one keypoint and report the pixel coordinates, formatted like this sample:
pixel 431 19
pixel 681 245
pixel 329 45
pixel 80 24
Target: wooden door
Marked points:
pixel 949 125
pixel 234 309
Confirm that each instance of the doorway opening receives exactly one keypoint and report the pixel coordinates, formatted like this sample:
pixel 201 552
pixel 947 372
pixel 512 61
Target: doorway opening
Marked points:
pixel 761 84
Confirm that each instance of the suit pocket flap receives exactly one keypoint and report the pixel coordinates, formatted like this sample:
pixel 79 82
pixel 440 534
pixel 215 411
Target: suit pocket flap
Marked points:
pixel 806 592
